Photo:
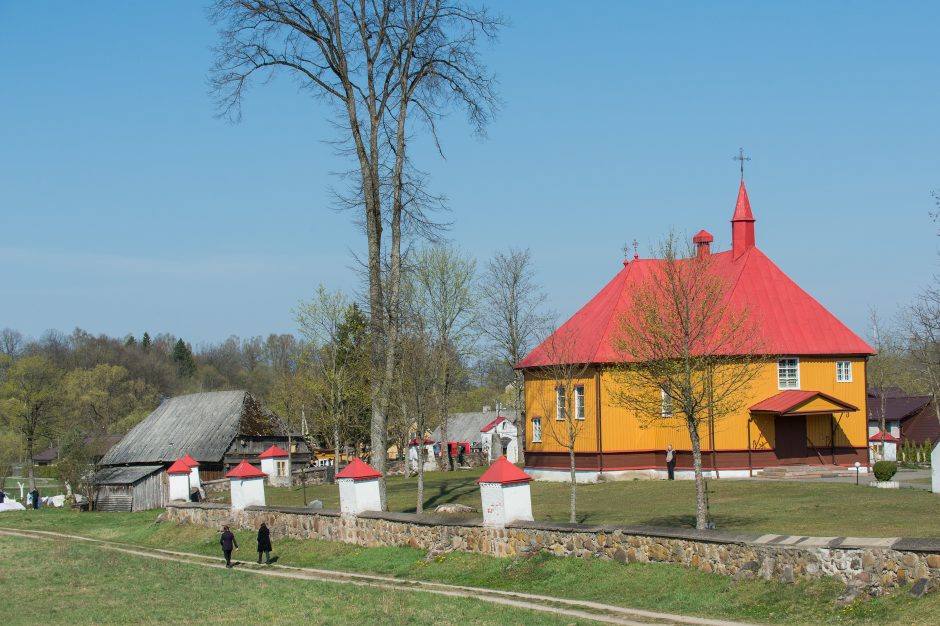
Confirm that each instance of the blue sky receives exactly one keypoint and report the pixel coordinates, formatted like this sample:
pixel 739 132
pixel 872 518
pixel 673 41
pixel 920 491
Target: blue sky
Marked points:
pixel 125 205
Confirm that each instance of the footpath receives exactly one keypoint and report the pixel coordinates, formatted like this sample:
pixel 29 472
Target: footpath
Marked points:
pixel 578 609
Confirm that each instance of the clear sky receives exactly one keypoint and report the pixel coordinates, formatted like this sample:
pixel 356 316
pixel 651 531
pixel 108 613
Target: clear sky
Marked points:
pixel 126 206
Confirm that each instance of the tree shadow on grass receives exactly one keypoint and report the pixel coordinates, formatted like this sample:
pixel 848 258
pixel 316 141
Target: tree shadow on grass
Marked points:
pixel 721 521
pixel 448 492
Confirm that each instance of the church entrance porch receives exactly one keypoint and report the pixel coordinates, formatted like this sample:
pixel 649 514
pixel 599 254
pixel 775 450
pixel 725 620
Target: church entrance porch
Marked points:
pixel 790 439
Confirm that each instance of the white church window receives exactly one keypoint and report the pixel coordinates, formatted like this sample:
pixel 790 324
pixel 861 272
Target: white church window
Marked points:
pixel 667 402
pixel 843 371
pixel 579 402
pixel 536 430
pixel 788 374
pixel 560 402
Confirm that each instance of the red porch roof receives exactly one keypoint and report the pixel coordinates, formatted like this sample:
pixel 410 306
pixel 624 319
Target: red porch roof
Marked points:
pixel 883 437
pixel 791 400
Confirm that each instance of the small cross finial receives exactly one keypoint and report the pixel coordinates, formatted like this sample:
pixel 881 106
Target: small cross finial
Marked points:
pixel 635 255
pixel 742 159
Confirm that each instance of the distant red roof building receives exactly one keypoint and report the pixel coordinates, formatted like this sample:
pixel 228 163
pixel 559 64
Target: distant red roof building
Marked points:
pixel 496 422
pixel 274 452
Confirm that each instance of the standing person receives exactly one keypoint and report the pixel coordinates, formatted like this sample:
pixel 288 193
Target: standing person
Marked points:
pixel 3 496
pixel 35 495
pixel 671 462
pixel 264 544
pixel 228 542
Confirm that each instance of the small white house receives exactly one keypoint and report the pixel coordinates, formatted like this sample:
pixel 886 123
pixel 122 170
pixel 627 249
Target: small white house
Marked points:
pixel 500 438
pixel 359 488
pixel 427 447
pixel 247 486
pixel 884 446
pixel 275 462
pixel 178 478
pixel 505 494
pixel 193 465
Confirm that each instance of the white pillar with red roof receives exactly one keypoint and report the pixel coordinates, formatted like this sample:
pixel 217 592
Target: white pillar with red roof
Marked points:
pixel 275 462
pixel 193 465
pixel 178 476
pixel 505 494
pixel 359 488
pixel 247 486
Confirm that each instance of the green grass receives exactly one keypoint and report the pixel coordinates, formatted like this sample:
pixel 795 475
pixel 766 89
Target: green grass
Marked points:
pixel 784 507
pixel 46 486
pixel 640 585
pixel 64 582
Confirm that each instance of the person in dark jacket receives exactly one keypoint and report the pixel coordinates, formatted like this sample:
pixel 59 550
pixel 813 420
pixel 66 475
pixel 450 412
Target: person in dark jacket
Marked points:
pixel 35 494
pixel 3 496
pixel 264 544
pixel 228 542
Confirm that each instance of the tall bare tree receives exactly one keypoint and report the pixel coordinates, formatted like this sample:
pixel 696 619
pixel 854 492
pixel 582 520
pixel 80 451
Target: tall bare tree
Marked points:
pixel 564 410
pixel 922 327
pixel 688 355
pixel 445 300
pixel 383 65
pixel 511 317
pixel 883 368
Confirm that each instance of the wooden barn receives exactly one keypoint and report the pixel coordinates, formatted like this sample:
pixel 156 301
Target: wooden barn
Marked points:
pixel 218 429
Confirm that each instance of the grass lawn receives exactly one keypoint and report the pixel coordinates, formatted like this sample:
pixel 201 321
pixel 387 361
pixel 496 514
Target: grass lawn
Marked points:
pixel 65 582
pixel 797 508
pixel 640 585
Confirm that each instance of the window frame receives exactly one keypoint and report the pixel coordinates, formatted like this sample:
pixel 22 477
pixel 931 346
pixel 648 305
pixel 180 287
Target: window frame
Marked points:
pixel 579 402
pixel 560 403
pixel 846 368
pixel 537 429
pixel 780 367
pixel 666 402
pixel 280 468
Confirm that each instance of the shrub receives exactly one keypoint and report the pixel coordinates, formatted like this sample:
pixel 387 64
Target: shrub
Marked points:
pixel 885 470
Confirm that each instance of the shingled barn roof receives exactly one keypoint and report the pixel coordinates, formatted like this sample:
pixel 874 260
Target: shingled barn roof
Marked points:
pixel 201 424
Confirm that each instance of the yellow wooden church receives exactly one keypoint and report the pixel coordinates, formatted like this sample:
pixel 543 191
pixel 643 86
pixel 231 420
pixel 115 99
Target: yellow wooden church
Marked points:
pixel 806 406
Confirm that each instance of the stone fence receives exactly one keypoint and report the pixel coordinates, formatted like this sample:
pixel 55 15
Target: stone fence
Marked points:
pixel 869 565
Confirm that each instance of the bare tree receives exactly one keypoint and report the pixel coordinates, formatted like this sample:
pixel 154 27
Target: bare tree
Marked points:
pixel 688 356
pixel 445 301
pixel 882 369
pixel 511 318
pixel 923 340
pixel 564 409
pixel 383 65
pixel 11 342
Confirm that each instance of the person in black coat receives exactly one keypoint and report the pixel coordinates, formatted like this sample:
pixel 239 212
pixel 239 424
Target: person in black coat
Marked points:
pixel 228 542
pixel 264 544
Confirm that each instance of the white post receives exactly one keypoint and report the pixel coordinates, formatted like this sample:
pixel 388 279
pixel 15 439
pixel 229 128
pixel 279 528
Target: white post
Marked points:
pixel 178 478
pixel 505 494
pixel 246 484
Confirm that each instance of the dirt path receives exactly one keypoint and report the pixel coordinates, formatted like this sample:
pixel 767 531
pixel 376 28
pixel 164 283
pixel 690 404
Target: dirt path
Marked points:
pixel 580 609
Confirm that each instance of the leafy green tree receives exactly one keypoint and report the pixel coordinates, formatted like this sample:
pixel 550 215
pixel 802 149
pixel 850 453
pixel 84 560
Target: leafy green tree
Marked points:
pixel 100 398
pixel 11 447
pixel 30 400
pixel 75 466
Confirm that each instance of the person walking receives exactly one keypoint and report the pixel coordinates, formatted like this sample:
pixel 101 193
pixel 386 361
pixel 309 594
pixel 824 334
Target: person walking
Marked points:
pixel 35 496
pixel 264 544
pixel 229 543
pixel 671 462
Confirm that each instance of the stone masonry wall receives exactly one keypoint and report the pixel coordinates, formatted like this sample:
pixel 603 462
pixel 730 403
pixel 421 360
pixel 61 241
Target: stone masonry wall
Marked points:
pixel 870 565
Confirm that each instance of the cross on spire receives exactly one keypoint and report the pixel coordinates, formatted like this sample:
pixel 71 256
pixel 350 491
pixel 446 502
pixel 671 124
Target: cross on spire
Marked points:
pixel 742 159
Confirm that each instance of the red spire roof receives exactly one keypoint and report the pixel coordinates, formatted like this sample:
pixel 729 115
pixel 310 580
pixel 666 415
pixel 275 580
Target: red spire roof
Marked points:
pixel 504 473
pixel 245 470
pixel 496 422
pixel 274 452
pixel 359 470
pixel 742 209
pixel 178 467
pixel 190 461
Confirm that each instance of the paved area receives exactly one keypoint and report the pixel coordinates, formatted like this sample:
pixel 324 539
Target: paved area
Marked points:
pixel 580 609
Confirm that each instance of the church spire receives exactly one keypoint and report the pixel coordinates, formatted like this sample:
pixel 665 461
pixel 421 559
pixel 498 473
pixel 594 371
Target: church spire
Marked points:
pixel 742 224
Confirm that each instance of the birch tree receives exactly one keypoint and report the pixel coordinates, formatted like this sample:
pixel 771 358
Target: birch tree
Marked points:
pixel 687 355
pixel 444 301
pixel 510 316
pixel 382 67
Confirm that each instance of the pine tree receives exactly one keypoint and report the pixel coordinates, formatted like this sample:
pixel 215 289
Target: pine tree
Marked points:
pixel 130 341
pixel 183 358
pixel 145 342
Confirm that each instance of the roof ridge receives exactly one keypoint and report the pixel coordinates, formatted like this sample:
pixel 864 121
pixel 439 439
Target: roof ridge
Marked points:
pixel 626 276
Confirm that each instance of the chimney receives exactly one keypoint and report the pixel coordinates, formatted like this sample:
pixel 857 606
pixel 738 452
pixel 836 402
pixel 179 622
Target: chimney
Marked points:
pixel 703 241
pixel 742 224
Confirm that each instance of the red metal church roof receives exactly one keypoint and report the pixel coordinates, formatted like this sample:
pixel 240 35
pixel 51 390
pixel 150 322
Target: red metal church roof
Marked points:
pixel 789 320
